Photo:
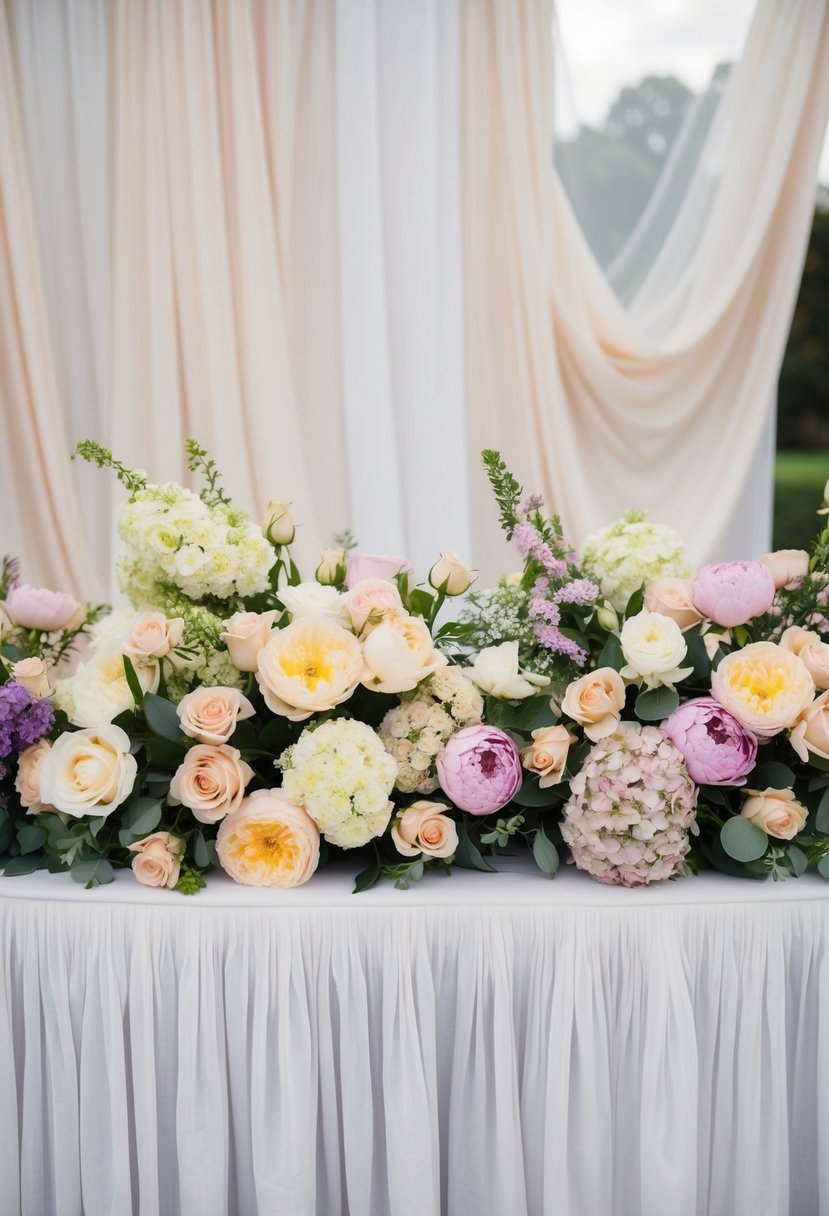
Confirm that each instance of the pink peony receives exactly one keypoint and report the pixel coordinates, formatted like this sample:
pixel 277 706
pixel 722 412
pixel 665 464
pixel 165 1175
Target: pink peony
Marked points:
pixel 360 566
pixel 731 593
pixel 39 608
pixel 630 808
pixel 716 749
pixel 480 769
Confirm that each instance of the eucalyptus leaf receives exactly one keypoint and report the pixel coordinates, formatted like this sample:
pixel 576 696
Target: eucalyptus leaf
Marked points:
pixel 16 867
pixel 367 878
pixel 162 718
pixel 30 838
pixel 94 872
pixel 797 859
pixel 467 854
pixel 698 657
pixel 611 654
pixel 823 866
pixel 201 856
pixel 141 816
pixel 743 840
pixel 772 775
pixel 822 814
pixel 655 704
pixel 545 853
pixel 531 794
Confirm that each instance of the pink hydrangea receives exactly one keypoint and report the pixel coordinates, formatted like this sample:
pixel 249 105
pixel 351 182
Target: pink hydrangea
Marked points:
pixel 731 593
pixel 480 769
pixel 716 749
pixel 630 808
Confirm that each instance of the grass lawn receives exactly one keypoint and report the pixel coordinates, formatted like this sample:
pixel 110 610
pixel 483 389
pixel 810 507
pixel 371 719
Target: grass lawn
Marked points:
pixel 798 492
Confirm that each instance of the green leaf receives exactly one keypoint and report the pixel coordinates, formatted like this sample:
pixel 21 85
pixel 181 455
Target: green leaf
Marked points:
pixel 162 718
pixel 655 704
pixel 797 859
pixel 276 736
pixel 201 854
pixel 6 829
pixel 93 873
pixel 133 681
pixel 545 853
pixel 635 604
pixel 367 878
pixel 30 838
pixel 742 840
pixel 127 721
pixel 536 712
pixel 772 775
pixel 139 818
pixel 531 794
pixel 818 762
pixel 467 854
pixel 714 794
pixel 611 654
pixel 421 602
pixel 818 783
pixel 822 866
pixel 244 737
pixel 822 814
pixel 163 754
pixel 698 657
pixel 16 867
pixel 741 635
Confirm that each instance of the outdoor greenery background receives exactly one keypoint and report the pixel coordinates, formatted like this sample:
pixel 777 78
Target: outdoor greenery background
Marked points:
pixel 610 172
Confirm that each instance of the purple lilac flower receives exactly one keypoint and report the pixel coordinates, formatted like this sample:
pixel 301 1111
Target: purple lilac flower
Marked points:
pixel 552 638
pixel 528 503
pixel 24 719
pixel 580 591
pixel 544 610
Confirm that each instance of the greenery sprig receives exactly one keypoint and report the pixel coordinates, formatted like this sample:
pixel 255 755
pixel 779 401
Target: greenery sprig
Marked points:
pixel 506 489
pixel 199 460
pixel 95 453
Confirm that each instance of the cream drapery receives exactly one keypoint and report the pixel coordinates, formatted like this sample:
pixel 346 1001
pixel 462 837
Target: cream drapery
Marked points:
pixel 585 403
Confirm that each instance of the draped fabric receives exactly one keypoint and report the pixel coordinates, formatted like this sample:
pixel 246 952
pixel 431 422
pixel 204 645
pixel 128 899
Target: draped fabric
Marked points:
pixel 477 1046
pixel 664 406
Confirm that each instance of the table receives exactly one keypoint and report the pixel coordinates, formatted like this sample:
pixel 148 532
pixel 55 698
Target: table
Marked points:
pixel 479 1045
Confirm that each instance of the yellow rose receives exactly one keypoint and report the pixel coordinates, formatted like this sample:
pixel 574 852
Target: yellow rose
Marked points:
pixel 547 754
pixel 33 674
pixel 269 842
pixel 812 651
pixel 775 811
pixel 310 666
pixel 672 597
pixel 245 635
pixel 811 732
pixel 210 781
pixel 424 828
pixel 210 714
pixel 157 861
pixel 764 686
pixel 595 701
pixel 27 781
pixel 88 772
pixel 398 654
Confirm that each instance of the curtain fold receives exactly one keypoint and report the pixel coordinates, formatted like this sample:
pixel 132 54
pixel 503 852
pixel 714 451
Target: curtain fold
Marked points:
pixel 663 407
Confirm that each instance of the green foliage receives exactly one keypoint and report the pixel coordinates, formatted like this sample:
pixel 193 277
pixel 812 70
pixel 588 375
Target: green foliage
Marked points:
pixel 506 489
pixel 95 453
pixel 545 853
pixel 799 478
pixel 199 460
pixel 743 840
pixel 190 881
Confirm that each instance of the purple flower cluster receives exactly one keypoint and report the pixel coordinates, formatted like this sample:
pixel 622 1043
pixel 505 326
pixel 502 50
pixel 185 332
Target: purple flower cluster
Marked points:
pixel 23 719
pixel 530 543
pixel 528 503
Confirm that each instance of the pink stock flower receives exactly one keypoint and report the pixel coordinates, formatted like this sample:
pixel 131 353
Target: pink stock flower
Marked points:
pixel 480 769
pixel 716 749
pixel 731 593
pixel 39 608
pixel 361 566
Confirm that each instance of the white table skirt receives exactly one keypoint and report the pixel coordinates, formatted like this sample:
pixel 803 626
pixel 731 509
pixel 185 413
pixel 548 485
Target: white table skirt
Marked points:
pixel 482 1045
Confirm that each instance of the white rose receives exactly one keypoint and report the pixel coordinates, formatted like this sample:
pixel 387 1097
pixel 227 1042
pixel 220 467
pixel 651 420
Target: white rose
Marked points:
pixel 495 671
pixel 451 575
pixel 88 772
pixel 653 647
pixel 331 569
pixel 314 599
pixel 278 523
pixel 398 654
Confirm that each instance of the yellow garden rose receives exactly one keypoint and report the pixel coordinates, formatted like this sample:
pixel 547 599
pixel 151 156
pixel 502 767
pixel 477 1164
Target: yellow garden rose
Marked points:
pixel 764 686
pixel 310 666
pixel 269 842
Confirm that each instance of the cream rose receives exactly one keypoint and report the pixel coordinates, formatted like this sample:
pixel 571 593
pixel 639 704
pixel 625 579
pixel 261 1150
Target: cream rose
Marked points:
pixel 27 781
pixel 331 569
pixel 595 701
pixel 496 672
pixel 99 691
pixel 654 648
pixel 310 666
pixel 398 654
pixel 810 736
pixel 812 651
pixel 424 828
pixel 153 636
pixel 546 756
pixel 210 781
pixel 88 772
pixel 764 686
pixel 787 566
pixel 209 715
pixel 775 811
pixel 33 674
pixel 314 599
pixel 672 598
pixel 278 523
pixel 157 861
pixel 451 575
pixel 246 633
pixel 269 842
pixel 370 600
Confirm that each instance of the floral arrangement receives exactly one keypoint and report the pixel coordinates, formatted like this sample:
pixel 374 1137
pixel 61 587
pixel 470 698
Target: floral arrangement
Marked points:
pixel 620 710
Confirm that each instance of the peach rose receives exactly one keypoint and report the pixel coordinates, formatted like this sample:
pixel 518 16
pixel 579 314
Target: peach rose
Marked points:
pixel 812 652
pixel 672 597
pixel 311 665
pixel 372 598
pixel 88 772
pixel 210 781
pixel 775 811
pixel 269 842
pixel 209 715
pixel 153 636
pixel 810 736
pixel 246 633
pixel 157 861
pixel 27 781
pixel 547 754
pixel 764 686
pixel 595 701
pixel 33 674
pixel 424 828
pixel 398 654
pixel 787 566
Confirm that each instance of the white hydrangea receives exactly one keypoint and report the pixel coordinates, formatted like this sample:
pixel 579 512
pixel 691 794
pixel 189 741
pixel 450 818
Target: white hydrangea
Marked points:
pixel 171 536
pixel 343 776
pixel 99 692
pixel 416 732
pixel 631 553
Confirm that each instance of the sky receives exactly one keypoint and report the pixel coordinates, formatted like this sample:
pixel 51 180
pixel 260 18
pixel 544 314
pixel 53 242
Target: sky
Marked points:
pixel 610 43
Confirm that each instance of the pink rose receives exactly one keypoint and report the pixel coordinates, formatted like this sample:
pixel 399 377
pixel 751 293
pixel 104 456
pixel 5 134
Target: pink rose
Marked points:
pixel 372 597
pixel 373 565
pixel 788 566
pixel 731 593
pixel 246 633
pixel 27 781
pixel 672 597
pixel 209 715
pixel 39 608
pixel 33 674
pixel 153 636
pixel 210 781
pixel 157 861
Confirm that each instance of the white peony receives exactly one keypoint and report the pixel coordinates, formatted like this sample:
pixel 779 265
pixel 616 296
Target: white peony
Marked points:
pixel 99 692
pixel 496 671
pixel 313 599
pixel 398 654
pixel 654 648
